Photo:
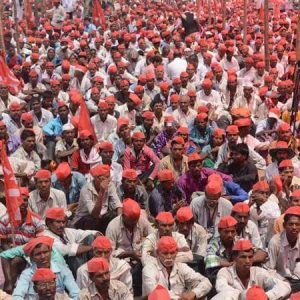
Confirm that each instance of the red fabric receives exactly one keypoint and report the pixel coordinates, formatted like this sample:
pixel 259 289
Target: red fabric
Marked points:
pixel 8 77
pixel 12 191
pixel 78 164
pixel 261 12
pixel 98 15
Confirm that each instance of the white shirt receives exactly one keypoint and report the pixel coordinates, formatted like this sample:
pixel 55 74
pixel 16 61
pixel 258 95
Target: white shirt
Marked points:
pixel 183 119
pixel 103 129
pixel 175 67
pixel 125 113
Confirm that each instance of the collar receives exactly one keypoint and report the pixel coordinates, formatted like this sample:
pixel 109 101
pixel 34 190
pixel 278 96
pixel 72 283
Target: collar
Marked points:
pixel 39 199
pixel 285 242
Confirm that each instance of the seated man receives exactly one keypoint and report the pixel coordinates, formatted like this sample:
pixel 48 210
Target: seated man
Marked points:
pixel 101 286
pixel 119 268
pixel 284 248
pixel 165 227
pixel 98 202
pixel 166 196
pixel 209 208
pixel 130 188
pixel 234 281
pixel 73 244
pixel 44 196
pixel 127 233
pixel 39 250
pixel 181 281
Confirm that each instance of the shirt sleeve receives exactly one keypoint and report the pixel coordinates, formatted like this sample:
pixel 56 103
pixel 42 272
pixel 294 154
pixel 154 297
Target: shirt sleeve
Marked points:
pixel 184 254
pixel 126 161
pixel 150 279
pixel 48 129
pixel 155 160
pixel 69 282
pixel 223 283
pixel 23 284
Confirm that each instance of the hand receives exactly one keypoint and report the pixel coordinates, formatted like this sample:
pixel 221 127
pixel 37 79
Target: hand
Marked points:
pixel 178 205
pixel 72 207
pixel 104 185
pixel 187 296
pixel 136 255
pixel 98 234
pixel 149 184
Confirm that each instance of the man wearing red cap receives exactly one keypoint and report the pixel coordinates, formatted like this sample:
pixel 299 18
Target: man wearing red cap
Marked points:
pixel 284 248
pixel 127 233
pixel 176 161
pixel 102 286
pixel 182 281
pixel 32 87
pixel 6 98
pixel 44 196
pixel 119 268
pixel 238 280
pixel 129 109
pixel 165 227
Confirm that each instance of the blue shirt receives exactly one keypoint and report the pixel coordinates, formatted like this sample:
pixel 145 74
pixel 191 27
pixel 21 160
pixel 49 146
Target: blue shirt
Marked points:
pixel 90 27
pixel 236 193
pixel 77 183
pixel 201 139
pixel 64 281
pixel 53 128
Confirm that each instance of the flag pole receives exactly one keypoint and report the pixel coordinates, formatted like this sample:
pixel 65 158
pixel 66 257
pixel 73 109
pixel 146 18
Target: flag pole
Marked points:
pixel 266 34
pixel 298 34
pixel 245 23
pixel 2 45
pixel 17 26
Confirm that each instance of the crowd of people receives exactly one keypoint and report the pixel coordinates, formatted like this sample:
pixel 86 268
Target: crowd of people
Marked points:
pixel 155 151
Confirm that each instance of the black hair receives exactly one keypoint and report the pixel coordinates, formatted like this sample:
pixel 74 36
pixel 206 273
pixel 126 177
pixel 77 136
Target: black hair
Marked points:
pixel 155 101
pixel 26 133
pixel 288 216
pixel 235 253
pixel 241 149
pixel 47 94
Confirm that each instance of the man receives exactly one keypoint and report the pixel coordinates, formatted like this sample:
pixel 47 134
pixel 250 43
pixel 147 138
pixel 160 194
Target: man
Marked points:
pixel 70 182
pixel 12 142
pixel 31 223
pixel 234 282
pixel 40 115
pixel 140 157
pixel 39 251
pixel 176 161
pixel 129 188
pixel 195 234
pixel 44 196
pixel 119 268
pixel 166 196
pixel 103 123
pixel 44 284
pixel 101 286
pixel 182 282
pixel 129 109
pixel 71 243
pixel 208 209
pixel 26 151
pixel 184 115
pixel 243 170
pixel 165 227
pixel 98 202
pixel 284 248
pixel 127 233
pixel 195 179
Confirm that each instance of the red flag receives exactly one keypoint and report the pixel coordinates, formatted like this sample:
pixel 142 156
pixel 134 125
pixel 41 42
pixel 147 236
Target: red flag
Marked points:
pixel 13 195
pixel 261 12
pixel 85 120
pixel 7 76
pixel 98 15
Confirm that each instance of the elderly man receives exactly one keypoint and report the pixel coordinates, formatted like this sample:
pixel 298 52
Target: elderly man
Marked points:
pixel 119 268
pixel 234 281
pixel 127 233
pixel 184 115
pixel 165 227
pixel 181 281
pixel 39 251
pixel 101 286
pixel 44 196
pixel 209 208
pixel 98 202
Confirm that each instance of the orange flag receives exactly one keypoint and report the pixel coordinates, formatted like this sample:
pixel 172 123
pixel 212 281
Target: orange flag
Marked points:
pixel 261 12
pixel 98 15
pixel 7 76
pixel 13 195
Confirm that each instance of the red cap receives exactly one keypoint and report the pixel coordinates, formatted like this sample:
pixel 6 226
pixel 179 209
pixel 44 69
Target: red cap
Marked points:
pixel 241 207
pixel 296 193
pixel 150 76
pixel 159 293
pixel 256 293
pixel 202 116
pixel 42 174
pixel 286 163
pixel 103 105
pixel 105 146
pixel 206 83
pixel 110 99
pixel 131 209
pixel 97 264
pixel 55 213
pixel 129 174
pixel 191 93
pixel 176 80
pixel 63 171
pixel 295 296
pixel 27 117
pixel 168 119
pixel 54 82
pixel 100 170
pixel 174 98
pixel 84 134
pixel 24 191
pixel 112 69
pixel 226 222
pixel 184 214
pixel 14 106
pixel 202 109
pixel 149 115
pixel 261 185
pixel 121 122
pixel 61 103
pixel 242 245
pixel 165 175
pixel 164 86
pixel 218 131
pixel 178 140
pixel 33 73
pixel 43 274
pixel 183 130
pixel 213 188
pixel 166 243
pixel 165 217
pixel 135 98
pixel 232 129
pixel 194 157
pixel 102 242
pixel 294 210
pixel 138 135
pixel 284 127
pixel 29 247
pixel 243 122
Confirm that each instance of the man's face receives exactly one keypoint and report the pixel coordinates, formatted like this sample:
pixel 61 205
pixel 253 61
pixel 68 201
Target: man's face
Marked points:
pixel 237 157
pixel 41 255
pixel 36 106
pixel 165 229
pixel 57 226
pixel 106 156
pixel 287 174
pixel 244 261
pixel 63 112
pixel 294 201
pixel 212 199
pixel 138 144
pixel 129 185
pixel 86 142
pixel 124 131
pixel 195 168
pixel 68 135
pixel 33 80
pixel 3 90
pixel 103 113
pixel 177 150
pixel 185 227
pixel 168 185
pixel 3 132
pixel 184 103
pixel 24 205
pixel 150 84
pixel 242 219
pixel 99 179
pixel 158 108
pixel 29 144
pixel 46 289
pixel 43 185
pixel 284 135
pixel 102 252
pixel 202 124
pixel 292 226
pixel 167 258
pixel 148 123
pixel 281 155
pixel 15 114
pixel 248 91
pixel 227 235
pixel 101 280
pixel 130 223
pixel 207 90
pixel 232 138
